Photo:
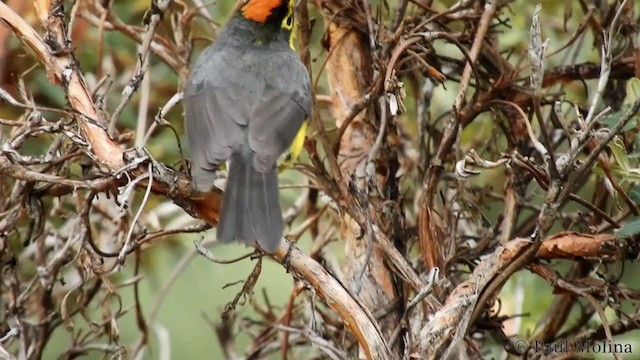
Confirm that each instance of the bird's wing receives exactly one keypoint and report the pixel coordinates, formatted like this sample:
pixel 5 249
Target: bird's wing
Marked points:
pixel 216 117
pixel 276 118
pixel 221 105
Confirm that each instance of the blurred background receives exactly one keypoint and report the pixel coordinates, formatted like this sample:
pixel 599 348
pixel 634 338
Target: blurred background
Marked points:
pixel 186 291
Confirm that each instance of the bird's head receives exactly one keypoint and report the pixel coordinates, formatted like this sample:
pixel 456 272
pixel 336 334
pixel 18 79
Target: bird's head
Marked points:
pixel 271 17
pixel 270 12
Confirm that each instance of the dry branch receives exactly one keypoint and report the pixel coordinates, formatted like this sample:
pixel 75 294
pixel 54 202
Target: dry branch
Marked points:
pixel 428 248
pixel 571 245
pixel 63 69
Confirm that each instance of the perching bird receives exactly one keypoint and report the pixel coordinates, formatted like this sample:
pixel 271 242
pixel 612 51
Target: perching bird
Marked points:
pixel 246 102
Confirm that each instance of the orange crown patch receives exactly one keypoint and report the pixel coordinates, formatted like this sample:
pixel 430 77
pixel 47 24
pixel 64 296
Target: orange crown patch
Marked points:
pixel 259 10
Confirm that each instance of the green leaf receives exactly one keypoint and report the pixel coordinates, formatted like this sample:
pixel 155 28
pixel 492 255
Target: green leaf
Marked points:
pixel 620 153
pixel 613 118
pixel 634 194
pixel 633 94
pixel 633 91
pixel 631 227
pixel 629 175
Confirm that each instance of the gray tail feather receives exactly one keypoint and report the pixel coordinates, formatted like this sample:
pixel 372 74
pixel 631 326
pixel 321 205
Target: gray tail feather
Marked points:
pixel 251 205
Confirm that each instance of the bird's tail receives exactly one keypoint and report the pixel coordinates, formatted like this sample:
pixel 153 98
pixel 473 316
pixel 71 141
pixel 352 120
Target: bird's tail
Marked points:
pixel 251 206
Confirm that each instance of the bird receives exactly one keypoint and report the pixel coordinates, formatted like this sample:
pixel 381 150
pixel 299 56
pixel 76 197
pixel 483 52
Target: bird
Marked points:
pixel 247 102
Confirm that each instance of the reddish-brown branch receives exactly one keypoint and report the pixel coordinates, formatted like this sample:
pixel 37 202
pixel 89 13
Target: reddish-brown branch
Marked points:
pixel 62 69
pixel 434 251
pixel 349 72
pixel 570 245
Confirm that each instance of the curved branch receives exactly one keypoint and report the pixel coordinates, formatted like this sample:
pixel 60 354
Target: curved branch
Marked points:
pixel 63 69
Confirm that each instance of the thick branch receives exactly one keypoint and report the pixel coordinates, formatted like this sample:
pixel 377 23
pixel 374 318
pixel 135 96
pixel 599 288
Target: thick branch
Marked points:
pixel 63 69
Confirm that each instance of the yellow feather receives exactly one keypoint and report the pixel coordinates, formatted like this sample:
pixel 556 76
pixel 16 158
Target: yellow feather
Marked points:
pixel 298 142
pixel 295 149
pixel 292 26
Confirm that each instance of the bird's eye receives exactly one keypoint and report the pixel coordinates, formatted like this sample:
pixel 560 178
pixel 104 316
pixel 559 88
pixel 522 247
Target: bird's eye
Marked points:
pixel 287 22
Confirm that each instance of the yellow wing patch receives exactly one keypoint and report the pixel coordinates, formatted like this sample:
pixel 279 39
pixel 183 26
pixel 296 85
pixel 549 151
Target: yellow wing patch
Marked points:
pixel 295 149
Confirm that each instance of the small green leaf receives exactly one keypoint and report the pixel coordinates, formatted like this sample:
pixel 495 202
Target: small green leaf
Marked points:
pixel 633 91
pixel 620 153
pixel 613 118
pixel 630 227
pixel 633 94
pixel 634 194
pixel 629 175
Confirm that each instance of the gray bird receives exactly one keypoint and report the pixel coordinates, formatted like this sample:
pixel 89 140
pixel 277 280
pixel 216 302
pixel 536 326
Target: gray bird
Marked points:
pixel 246 102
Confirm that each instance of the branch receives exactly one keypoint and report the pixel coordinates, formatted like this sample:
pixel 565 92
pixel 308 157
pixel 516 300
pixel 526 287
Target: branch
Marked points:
pixel 572 245
pixel 62 69
pixel 425 217
pixel 565 245
pixel 356 317
pixel 464 297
